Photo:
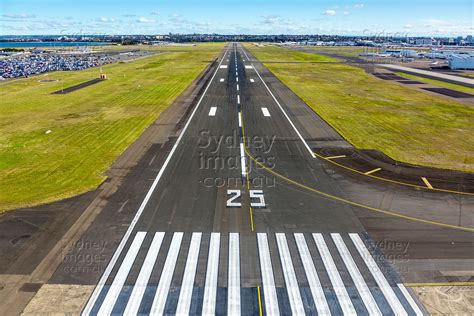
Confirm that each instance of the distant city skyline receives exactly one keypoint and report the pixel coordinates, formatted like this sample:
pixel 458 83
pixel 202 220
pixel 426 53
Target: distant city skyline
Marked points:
pixel 370 17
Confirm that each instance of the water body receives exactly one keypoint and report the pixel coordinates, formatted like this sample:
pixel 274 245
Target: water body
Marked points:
pixel 50 44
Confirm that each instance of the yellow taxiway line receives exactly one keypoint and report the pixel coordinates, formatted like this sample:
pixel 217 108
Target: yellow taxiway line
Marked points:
pixel 428 184
pixel 340 199
pixel 329 159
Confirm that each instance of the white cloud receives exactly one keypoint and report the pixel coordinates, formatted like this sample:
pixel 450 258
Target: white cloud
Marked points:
pixel 154 13
pixel 104 19
pixel 359 6
pixel 18 16
pixel 330 12
pixel 143 19
pixel 346 13
pixel 408 26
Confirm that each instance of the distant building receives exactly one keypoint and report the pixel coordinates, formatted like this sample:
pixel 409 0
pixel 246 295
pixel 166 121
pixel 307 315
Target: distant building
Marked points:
pixel 461 61
pixel 423 41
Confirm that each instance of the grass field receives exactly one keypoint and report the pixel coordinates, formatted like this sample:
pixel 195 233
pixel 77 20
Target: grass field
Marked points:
pixel 273 53
pixel 407 125
pixel 90 127
pixel 343 51
pixel 439 83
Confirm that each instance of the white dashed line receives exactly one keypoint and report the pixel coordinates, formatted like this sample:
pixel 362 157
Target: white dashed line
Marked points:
pixel 238 99
pixel 237 87
pixel 212 111
pixel 265 112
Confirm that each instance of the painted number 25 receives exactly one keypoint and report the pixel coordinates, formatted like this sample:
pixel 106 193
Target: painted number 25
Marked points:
pixel 256 198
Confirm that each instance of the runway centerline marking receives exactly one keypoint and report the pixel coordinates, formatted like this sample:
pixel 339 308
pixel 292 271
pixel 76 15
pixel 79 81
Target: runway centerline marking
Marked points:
pixel 212 111
pixel 265 112
pixel 105 275
pixel 238 99
pixel 237 87
pixel 372 171
pixel 427 183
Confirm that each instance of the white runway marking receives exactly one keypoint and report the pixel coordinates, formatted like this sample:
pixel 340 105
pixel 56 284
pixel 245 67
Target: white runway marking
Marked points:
pixel 186 292
pixel 268 282
pixel 236 73
pixel 265 112
pixel 212 111
pixel 359 282
pixel 238 99
pixel 336 281
pixel 159 301
pixel 242 160
pixel 237 79
pixel 240 119
pixel 100 285
pixel 312 276
pixel 233 287
pixel 237 87
pixel 251 80
pixel 122 273
pixel 248 67
pixel 223 66
pixel 144 275
pixel 289 274
pixel 221 80
pixel 286 115
pixel 378 276
pixel 210 289
pixel 410 300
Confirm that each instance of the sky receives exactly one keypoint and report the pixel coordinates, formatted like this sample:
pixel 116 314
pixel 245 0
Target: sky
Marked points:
pixel 351 17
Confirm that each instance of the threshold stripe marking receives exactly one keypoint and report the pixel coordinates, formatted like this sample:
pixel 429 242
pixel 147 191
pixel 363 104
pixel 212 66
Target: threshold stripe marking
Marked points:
pixel 159 301
pixel 372 171
pixel 427 183
pixel 105 275
pixel 265 112
pixel 233 283
pixel 359 282
pixel 312 276
pixel 269 290
pixel 186 292
pixel 210 288
pixel 122 273
pixel 410 300
pixel 212 111
pixel 336 281
pixel 289 274
pixel 378 275
pixel 144 275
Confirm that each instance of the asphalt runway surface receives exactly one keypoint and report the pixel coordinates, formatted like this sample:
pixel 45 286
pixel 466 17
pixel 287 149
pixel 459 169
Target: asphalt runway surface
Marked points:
pixel 214 232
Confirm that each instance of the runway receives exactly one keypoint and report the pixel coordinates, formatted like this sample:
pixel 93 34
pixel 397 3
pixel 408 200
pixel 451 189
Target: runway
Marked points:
pixel 217 234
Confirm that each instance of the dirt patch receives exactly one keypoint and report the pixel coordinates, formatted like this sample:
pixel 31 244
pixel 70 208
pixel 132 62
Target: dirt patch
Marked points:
pixel 447 300
pixel 59 299
pixel 78 86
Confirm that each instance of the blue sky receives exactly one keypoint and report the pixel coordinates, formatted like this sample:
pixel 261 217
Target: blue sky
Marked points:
pixel 414 18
